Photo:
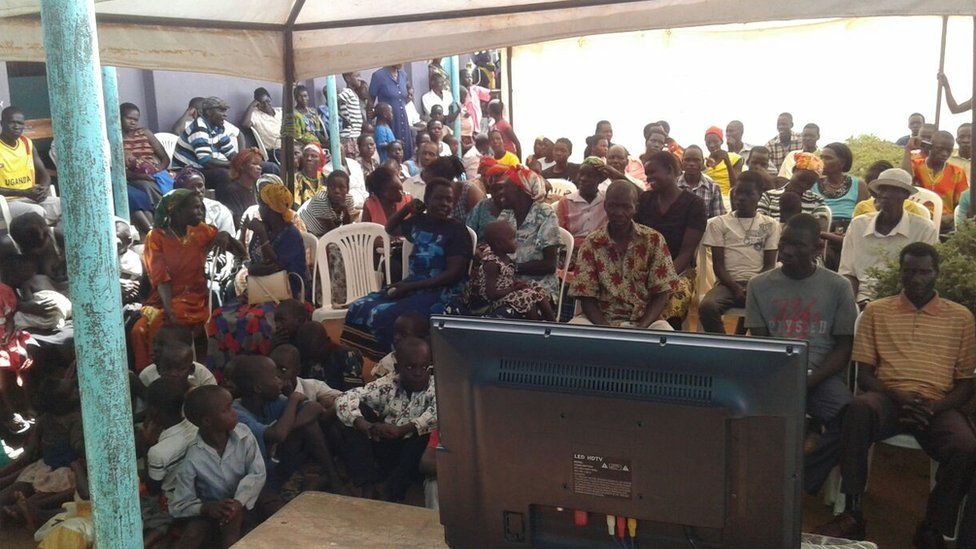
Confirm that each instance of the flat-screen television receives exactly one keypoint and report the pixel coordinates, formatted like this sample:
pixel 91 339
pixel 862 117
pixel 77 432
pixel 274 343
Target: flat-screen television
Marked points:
pixel 554 435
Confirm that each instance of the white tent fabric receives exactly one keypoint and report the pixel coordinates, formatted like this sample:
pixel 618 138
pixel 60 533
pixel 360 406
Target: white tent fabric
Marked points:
pixel 247 38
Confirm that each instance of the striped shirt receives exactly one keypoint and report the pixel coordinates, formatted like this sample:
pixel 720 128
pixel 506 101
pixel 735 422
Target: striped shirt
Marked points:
pixel 350 114
pixel 923 351
pixel 809 203
pixel 200 143
pixel 319 210
pixel 778 151
pixel 708 191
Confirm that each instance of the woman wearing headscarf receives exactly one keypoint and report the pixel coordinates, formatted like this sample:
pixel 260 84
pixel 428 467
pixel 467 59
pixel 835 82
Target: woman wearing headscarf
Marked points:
pixel 174 257
pixel 536 227
pixel 308 180
pixel 438 266
pixel 238 195
pixel 492 175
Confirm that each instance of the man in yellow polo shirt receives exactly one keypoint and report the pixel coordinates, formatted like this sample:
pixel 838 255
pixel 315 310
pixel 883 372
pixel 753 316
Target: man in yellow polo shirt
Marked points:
pixel 915 353
pixel 23 179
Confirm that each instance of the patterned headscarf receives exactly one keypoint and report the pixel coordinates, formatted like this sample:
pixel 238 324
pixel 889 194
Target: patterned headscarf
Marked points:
pixel 528 182
pixel 277 197
pixel 592 162
pixel 179 182
pixel 809 161
pixel 242 159
pixel 317 147
pixel 484 164
pixel 171 202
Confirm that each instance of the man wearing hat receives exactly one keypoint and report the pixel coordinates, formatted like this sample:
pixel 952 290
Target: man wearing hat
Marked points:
pixel 873 239
pixel 207 145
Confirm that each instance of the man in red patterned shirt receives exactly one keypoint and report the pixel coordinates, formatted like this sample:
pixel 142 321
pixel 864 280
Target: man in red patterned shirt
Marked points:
pixel 624 271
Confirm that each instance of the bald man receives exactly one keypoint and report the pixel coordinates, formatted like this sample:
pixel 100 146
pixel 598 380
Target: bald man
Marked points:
pixel 624 272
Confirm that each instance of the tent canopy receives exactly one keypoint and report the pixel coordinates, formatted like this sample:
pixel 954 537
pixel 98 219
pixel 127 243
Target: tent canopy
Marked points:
pixel 301 39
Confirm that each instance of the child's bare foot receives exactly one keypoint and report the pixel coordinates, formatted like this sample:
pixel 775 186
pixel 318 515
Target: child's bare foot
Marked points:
pixel 27 510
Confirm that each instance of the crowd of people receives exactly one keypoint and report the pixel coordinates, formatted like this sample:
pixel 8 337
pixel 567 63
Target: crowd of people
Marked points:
pixel 242 401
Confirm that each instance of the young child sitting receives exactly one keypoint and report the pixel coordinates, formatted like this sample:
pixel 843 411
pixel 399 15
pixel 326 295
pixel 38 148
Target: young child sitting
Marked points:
pixel 14 360
pixel 170 337
pixel 42 476
pixel 167 434
pixel 222 474
pixel 289 362
pixel 324 359
pixel 388 423
pixel 284 426
pixel 495 280
pixel 409 324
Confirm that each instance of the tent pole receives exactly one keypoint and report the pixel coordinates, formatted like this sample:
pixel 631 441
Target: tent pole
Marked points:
pixel 113 123
pixel 938 93
pixel 288 115
pixel 332 99
pixel 972 111
pixel 78 114
pixel 456 90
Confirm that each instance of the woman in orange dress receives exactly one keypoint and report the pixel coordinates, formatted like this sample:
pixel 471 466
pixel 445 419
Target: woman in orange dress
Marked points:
pixel 175 253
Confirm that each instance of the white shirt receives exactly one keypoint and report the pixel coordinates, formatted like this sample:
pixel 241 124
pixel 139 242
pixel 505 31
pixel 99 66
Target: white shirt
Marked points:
pixel 471 161
pixel 200 376
pixel 641 186
pixel 430 99
pixel 415 187
pixel 164 457
pixel 744 242
pixel 314 388
pixel 413 117
pixel 865 248
pixel 267 127
pixel 445 149
pixel 218 215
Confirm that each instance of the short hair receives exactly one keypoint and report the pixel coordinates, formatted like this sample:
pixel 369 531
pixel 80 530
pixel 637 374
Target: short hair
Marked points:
pixel 739 122
pixel 410 345
pixel 294 307
pixel 299 89
pixel 844 153
pixel 647 129
pixel 379 180
pixel 619 184
pixel 362 138
pixel 663 158
pixel 945 135
pixel 446 167
pixel 758 148
pixel 565 141
pixel 919 249
pixel 174 332
pixel 200 403
pixel 126 108
pixel 601 123
pixel 914 114
pixel 812 126
pixel 418 323
pixel 664 125
pixel 171 349
pixel 245 370
pixel 9 112
pixel 696 147
pixel 436 183
pixel 787 115
pixel 196 102
pixel 877 168
pixel 656 129
pixel 261 92
pixel 806 223
pixel 753 179
pixel 432 121
pixel 166 395
pixel 335 176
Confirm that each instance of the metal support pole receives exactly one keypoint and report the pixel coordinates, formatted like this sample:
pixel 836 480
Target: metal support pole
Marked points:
pixel 113 123
pixel 78 114
pixel 972 112
pixel 938 93
pixel 332 99
pixel 456 90
pixel 288 115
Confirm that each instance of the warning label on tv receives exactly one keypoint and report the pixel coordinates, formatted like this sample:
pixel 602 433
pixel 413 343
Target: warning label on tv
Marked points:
pixel 602 476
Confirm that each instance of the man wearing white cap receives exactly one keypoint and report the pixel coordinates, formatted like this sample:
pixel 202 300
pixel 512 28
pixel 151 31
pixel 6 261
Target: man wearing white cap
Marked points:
pixel 874 239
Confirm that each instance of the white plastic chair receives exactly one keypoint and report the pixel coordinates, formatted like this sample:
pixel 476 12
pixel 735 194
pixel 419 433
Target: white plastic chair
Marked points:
pixel 259 143
pixel 562 187
pixel 311 243
pixel 357 244
pixel 408 248
pixel 926 197
pixel 5 213
pixel 168 141
pixel 568 244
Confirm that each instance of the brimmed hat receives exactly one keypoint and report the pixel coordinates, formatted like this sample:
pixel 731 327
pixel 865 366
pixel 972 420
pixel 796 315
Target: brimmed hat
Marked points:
pixel 894 177
pixel 214 103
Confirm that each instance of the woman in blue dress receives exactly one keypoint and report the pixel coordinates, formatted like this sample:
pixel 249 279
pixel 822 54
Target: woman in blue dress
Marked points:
pixel 389 85
pixel 438 267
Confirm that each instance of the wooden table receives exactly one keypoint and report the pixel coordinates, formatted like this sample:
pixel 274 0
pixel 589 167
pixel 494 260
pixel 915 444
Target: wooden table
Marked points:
pixel 319 519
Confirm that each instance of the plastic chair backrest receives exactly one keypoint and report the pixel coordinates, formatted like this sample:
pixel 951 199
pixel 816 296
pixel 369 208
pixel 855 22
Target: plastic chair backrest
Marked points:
pixel 5 213
pixel 168 141
pixel 311 243
pixel 408 248
pixel 926 197
pixel 568 243
pixel 562 187
pixel 259 143
pixel 356 243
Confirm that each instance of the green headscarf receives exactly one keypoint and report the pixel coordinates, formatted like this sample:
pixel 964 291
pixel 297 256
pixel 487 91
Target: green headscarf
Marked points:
pixel 170 202
pixel 593 162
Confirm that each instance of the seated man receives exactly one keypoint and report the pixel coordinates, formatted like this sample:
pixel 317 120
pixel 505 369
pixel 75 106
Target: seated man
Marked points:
pixel 692 179
pixel 934 173
pixel 873 239
pixel 624 275
pixel 24 180
pixel 800 300
pixel 206 144
pixel 915 353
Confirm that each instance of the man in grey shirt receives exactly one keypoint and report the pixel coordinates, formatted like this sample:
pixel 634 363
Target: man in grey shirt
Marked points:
pixel 800 300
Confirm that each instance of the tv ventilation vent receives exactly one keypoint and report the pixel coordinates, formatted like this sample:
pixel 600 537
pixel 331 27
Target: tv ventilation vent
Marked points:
pixel 636 382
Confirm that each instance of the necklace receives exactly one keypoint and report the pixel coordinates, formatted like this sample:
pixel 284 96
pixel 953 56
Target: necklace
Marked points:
pixel 745 231
pixel 829 190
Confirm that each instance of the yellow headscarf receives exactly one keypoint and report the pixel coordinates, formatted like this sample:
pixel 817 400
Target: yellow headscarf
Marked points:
pixel 277 197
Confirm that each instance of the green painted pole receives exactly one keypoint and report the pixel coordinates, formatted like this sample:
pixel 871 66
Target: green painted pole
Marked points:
pixel 78 115
pixel 456 90
pixel 113 122
pixel 332 99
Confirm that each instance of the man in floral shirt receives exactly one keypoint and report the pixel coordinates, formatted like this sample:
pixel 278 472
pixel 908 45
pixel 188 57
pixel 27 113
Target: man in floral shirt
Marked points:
pixel 388 423
pixel 624 272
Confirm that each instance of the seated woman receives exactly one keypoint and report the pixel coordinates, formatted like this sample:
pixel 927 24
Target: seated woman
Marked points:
pixel 366 146
pixel 467 195
pixel 329 208
pixel 309 179
pixel 492 175
pixel 394 153
pixel 536 226
pixel 841 191
pixel 145 168
pixel 238 195
pixel 438 265
pixel 275 245
pixel 174 256
pixel 386 196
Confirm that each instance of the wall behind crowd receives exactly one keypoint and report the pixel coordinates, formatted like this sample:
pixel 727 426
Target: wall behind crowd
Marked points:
pixel 850 76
